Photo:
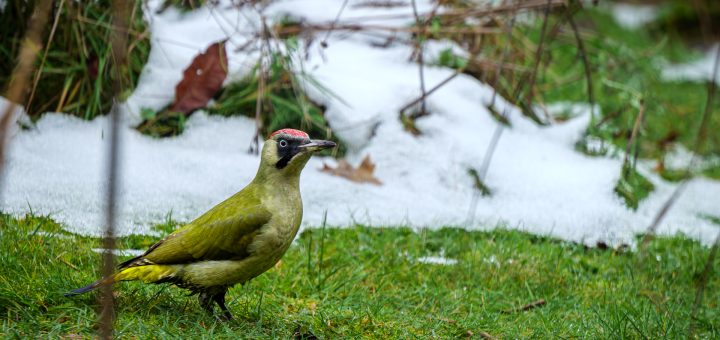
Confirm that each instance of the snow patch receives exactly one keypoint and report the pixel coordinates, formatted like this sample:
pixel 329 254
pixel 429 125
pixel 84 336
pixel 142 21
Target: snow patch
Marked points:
pixel 121 252
pixel 633 16
pixel 437 260
pixel 699 70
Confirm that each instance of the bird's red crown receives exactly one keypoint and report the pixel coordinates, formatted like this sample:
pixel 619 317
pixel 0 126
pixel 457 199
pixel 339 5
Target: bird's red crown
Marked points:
pixel 291 132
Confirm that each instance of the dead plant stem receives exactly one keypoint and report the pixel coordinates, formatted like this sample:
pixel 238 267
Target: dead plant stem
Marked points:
pixel 18 84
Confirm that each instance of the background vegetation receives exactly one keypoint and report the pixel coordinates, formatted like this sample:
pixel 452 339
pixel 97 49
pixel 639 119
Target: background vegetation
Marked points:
pixel 73 73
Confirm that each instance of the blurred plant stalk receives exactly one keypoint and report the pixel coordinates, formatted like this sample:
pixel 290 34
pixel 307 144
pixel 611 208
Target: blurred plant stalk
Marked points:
pixel 20 78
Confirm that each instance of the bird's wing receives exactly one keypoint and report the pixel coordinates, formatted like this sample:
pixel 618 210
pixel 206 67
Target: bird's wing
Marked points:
pixel 222 233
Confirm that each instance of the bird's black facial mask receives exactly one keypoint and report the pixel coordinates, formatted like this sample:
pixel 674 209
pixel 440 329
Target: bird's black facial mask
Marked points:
pixel 287 148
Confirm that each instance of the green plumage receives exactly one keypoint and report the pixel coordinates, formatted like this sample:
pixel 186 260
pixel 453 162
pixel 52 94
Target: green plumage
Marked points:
pixel 236 240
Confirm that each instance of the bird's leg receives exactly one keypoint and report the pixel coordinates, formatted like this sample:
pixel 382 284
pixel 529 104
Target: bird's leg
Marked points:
pixel 206 302
pixel 219 298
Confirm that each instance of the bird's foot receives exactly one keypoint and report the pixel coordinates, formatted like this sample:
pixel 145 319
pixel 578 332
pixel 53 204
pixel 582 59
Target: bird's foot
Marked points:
pixel 225 316
pixel 220 300
pixel 206 300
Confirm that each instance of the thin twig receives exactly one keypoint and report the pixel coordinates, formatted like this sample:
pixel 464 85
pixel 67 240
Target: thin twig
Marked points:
pixel 457 72
pixel 421 61
pixel 633 136
pixel 652 229
pixel 264 49
pixel 705 122
pixel 67 263
pixel 526 307
pixel 21 74
pixel 485 166
pixel 490 151
pixel 323 43
pixel 503 58
pixel 538 55
pixel 586 64
pixel 433 89
pixel 636 153
pixel 39 70
pixel 305 28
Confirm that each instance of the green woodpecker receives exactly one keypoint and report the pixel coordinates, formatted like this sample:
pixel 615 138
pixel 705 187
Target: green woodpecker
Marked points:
pixel 237 239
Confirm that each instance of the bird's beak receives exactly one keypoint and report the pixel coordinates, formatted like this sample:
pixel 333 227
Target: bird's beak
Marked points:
pixel 317 145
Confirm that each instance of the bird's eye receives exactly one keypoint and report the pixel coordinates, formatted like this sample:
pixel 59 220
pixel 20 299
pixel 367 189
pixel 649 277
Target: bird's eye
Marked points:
pixel 283 143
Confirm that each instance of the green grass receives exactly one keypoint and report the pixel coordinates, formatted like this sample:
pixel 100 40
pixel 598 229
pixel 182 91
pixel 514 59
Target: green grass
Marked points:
pixel 367 282
pixel 633 187
pixel 76 75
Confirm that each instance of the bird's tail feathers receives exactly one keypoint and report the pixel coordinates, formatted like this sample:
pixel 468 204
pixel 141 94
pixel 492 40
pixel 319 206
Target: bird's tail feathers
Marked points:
pixel 97 284
pixel 147 274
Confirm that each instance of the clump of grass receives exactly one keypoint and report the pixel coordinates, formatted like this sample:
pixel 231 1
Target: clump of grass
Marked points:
pixel 633 187
pixel 73 73
pixel 371 282
pixel 165 123
pixel 283 102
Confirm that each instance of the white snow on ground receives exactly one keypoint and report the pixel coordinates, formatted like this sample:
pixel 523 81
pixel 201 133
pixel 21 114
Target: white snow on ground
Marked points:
pixel 699 70
pixel 633 15
pixel 437 260
pixel 540 183
pixel 122 252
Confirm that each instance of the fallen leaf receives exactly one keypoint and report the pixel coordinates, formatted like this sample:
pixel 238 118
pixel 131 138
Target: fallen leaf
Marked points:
pixel 362 174
pixel 202 79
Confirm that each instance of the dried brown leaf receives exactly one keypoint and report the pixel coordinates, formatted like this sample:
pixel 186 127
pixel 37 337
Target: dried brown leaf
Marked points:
pixel 362 174
pixel 202 79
